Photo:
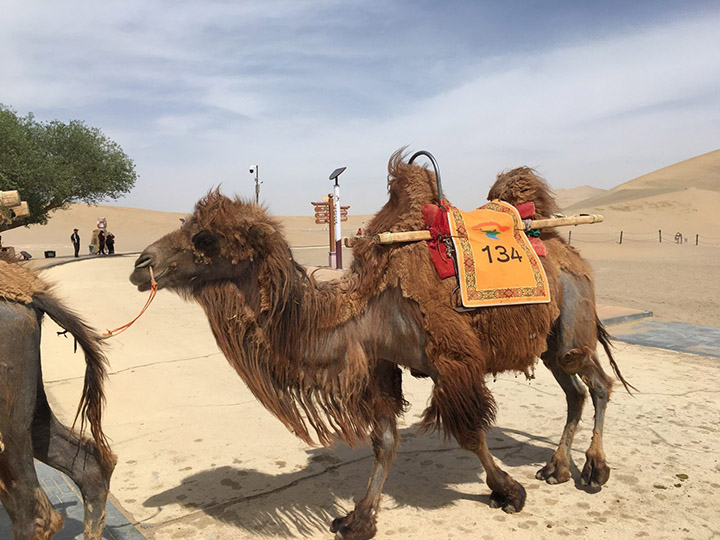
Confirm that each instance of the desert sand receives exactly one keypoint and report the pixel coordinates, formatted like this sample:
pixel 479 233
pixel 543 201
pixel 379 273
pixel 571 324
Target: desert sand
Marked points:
pixel 200 458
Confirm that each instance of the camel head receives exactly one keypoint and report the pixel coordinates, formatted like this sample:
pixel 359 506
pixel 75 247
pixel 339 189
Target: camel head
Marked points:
pixel 223 240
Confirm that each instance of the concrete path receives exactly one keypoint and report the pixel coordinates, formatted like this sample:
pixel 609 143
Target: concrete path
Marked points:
pixel 673 336
pixel 66 498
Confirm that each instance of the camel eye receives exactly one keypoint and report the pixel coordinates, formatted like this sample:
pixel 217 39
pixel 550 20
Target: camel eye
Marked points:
pixel 206 242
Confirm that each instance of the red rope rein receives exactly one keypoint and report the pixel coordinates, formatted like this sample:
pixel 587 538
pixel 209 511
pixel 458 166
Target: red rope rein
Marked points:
pixel 153 291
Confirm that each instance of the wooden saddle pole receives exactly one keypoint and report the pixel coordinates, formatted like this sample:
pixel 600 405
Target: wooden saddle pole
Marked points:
pixel 416 236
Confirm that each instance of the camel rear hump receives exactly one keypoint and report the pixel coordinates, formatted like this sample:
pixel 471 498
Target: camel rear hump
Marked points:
pixel 521 185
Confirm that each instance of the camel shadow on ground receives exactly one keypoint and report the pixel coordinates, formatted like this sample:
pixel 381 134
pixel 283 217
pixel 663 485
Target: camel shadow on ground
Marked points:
pixel 426 475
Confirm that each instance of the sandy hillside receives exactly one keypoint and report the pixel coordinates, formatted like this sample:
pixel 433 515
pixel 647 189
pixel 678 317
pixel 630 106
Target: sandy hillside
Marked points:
pixel 691 211
pixel 701 173
pixel 570 196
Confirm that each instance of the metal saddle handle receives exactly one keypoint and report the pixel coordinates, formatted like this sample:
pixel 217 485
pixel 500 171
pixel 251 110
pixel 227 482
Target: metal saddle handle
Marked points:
pixel 435 166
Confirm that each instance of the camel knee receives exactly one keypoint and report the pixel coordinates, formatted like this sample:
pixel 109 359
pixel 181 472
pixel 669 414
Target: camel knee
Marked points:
pixel 575 360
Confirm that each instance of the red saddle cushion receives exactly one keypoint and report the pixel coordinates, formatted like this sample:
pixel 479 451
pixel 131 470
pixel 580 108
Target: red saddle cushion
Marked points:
pixel 435 219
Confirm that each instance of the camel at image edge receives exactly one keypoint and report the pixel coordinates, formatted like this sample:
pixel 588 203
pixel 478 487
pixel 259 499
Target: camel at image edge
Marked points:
pixel 28 427
pixel 325 357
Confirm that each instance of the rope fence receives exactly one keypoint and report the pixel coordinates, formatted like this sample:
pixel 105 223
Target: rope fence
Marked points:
pixel 648 237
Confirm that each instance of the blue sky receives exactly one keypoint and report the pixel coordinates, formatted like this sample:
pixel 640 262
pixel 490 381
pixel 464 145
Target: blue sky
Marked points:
pixel 196 92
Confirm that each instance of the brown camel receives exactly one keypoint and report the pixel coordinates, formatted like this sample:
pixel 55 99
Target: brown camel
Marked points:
pixel 28 426
pixel 326 356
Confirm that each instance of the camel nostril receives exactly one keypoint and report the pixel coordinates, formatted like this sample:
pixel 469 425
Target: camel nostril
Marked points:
pixel 143 261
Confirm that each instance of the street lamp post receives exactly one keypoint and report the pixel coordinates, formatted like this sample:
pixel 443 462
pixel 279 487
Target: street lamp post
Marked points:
pixel 255 170
pixel 338 234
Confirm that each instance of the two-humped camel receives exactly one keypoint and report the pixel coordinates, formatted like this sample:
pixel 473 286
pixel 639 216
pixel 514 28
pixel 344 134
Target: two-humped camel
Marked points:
pixel 325 357
pixel 28 426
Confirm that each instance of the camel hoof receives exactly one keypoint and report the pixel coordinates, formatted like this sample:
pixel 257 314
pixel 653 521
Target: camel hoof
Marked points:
pixel 512 502
pixel 553 474
pixel 353 527
pixel 595 473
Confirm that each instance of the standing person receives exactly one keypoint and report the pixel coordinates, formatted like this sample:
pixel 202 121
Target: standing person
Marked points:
pixel 75 239
pixel 101 243
pixel 110 243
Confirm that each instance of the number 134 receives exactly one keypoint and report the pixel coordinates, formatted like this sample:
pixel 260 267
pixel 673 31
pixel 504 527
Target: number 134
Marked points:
pixel 501 254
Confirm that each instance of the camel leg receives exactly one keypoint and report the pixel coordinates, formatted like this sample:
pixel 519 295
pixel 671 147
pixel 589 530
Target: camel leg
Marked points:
pixel 465 405
pixel 507 493
pixel 557 469
pixel 32 515
pixel 360 524
pixel 571 353
pixel 596 472
pixel 56 446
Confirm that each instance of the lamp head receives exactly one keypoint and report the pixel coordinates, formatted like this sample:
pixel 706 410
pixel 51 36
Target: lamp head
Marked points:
pixel 337 172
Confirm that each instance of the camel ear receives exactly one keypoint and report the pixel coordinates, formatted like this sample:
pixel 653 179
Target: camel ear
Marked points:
pixel 259 234
pixel 206 242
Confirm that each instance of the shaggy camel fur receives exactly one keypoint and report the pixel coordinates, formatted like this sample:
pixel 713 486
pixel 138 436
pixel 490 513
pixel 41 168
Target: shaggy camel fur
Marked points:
pixel 326 357
pixel 27 425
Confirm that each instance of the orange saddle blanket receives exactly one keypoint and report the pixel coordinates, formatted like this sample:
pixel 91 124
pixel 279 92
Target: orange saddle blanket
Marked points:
pixel 496 263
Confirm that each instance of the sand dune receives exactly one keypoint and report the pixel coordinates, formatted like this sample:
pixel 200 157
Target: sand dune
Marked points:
pixel 700 173
pixel 570 196
pixel 691 210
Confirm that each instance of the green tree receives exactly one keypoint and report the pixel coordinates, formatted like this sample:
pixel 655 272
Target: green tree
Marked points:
pixel 54 164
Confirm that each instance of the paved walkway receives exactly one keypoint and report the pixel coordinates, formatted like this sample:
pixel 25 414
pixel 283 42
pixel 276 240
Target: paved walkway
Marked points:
pixel 66 498
pixel 673 336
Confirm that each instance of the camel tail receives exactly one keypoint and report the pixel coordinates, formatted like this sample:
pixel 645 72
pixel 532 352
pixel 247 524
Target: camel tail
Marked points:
pixel 92 400
pixel 604 338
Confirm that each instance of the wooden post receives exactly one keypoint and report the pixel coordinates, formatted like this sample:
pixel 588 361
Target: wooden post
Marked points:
pixel 621 237
pixel 660 235
pixel 696 239
pixel 569 237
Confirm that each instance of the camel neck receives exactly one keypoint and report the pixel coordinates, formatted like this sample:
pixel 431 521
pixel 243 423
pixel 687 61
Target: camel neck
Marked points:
pixel 280 339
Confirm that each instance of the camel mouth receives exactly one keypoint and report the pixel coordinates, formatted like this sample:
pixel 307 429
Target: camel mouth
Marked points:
pixel 141 277
pixel 142 286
